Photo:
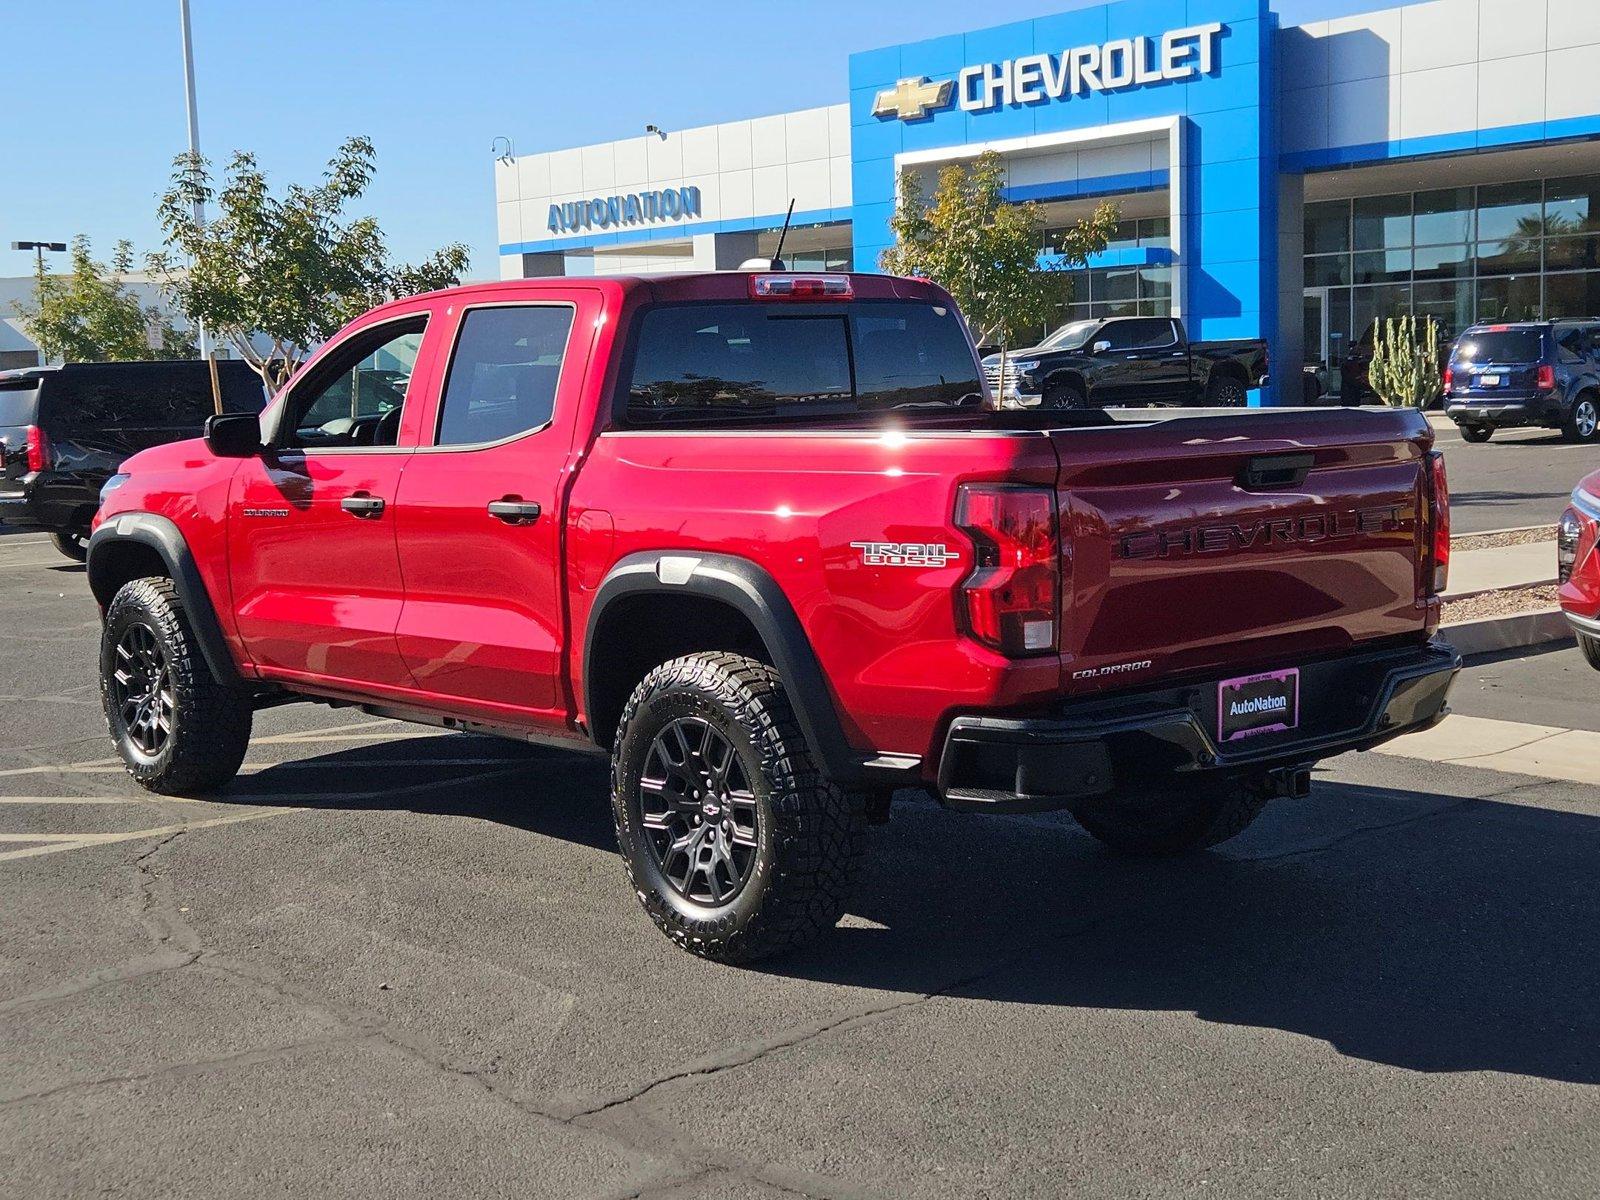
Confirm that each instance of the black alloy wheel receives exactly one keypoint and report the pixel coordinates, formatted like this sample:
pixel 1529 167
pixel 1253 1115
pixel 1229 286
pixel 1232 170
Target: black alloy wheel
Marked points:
pixel 141 689
pixel 698 811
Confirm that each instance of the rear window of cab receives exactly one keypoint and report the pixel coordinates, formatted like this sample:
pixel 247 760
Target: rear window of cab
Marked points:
pixel 761 361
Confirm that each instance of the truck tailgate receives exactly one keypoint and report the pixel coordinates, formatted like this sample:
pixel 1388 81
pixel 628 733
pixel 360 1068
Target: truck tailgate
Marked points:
pixel 1237 542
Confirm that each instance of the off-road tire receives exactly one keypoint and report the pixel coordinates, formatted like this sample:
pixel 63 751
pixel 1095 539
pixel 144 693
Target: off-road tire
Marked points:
pixel 209 723
pixel 1476 434
pixel 1224 391
pixel 809 830
pixel 1582 424
pixel 1175 820
pixel 1590 646
pixel 74 545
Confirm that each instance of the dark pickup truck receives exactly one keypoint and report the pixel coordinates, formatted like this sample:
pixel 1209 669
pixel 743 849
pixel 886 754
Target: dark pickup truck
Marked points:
pixel 1132 361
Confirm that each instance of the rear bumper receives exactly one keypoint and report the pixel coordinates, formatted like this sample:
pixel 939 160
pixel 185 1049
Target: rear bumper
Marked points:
pixel 1089 748
pixel 16 509
pixel 1504 413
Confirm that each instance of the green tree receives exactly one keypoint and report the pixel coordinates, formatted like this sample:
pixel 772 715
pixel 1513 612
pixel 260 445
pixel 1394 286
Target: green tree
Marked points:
pixel 985 251
pixel 286 269
pixel 91 315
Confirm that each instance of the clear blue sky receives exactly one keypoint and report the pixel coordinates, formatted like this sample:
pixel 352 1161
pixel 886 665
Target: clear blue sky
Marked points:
pixel 95 90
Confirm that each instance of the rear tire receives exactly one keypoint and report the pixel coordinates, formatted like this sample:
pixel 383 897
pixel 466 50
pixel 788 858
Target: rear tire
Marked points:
pixel 1173 820
pixel 1226 392
pixel 178 730
pixel 74 545
pixel 1476 434
pixel 1591 649
pixel 1583 422
pixel 736 845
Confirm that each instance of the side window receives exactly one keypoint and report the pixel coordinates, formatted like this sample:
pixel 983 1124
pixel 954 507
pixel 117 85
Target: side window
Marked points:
pixel 1570 343
pixel 354 396
pixel 504 372
pixel 1591 341
pixel 1142 333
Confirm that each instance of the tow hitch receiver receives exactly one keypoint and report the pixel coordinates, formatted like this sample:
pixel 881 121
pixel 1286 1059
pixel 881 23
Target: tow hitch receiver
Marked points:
pixel 1292 783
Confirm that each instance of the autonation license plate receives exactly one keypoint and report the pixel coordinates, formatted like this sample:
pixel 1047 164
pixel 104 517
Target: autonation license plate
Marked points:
pixel 1488 381
pixel 1255 704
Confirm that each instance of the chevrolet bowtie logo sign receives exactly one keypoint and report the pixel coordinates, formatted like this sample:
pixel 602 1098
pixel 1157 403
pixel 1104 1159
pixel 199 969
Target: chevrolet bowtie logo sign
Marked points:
pixel 1122 63
pixel 913 99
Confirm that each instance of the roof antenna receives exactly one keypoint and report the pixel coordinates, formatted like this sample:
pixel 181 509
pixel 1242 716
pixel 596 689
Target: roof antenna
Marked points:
pixel 777 255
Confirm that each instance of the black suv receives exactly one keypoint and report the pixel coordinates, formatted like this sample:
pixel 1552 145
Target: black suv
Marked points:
pixel 65 430
pixel 1533 373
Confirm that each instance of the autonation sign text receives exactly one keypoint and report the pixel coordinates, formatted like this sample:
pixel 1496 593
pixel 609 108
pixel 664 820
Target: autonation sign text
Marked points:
pixel 635 208
pixel 1121 63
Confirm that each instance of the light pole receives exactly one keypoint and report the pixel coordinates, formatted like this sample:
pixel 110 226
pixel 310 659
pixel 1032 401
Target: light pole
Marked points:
pixel 194 140
pixel 39 248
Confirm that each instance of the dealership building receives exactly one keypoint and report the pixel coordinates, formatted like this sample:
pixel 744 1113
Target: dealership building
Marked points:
pixel 1288 182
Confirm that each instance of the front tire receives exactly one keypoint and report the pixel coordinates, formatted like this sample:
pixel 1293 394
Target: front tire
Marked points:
pixel 1476 434
pixel 178 730
pixel 1591 649
pixel 74 545
pixel 1583 422
pixel 1065 395
pixel 1177 819
pixel 736 845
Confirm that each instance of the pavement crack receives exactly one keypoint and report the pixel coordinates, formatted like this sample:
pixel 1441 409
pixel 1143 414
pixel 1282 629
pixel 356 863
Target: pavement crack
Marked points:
pixel 158 910
pixel 1351 835
pixel 192 1067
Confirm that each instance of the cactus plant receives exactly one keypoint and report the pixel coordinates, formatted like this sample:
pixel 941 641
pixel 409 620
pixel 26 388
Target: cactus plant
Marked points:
pixel 1405 362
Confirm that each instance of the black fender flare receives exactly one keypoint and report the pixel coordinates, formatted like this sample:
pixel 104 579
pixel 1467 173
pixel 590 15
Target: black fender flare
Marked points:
pixel 1072 376
pixel 162 536
pixel 749 589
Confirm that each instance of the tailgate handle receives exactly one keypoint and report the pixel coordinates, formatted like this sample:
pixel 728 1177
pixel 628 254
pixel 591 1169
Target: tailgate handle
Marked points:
pixel 1267 472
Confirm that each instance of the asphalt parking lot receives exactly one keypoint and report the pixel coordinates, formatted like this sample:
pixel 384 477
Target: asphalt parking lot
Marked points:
pixel 1520 477
pixel 394 962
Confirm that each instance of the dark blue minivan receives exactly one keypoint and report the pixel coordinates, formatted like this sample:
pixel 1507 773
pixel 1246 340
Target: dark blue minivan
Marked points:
pixel 1534 373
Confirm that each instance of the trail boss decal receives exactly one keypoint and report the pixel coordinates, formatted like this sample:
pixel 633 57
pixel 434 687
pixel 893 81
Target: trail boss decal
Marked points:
pixel 1274 533
pixel 905 554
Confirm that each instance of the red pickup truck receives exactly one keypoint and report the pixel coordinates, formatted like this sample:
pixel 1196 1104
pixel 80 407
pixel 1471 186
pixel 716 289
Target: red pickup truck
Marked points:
pixel 768 541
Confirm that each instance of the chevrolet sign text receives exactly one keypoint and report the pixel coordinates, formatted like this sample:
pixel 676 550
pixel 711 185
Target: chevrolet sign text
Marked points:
pixel 1268 533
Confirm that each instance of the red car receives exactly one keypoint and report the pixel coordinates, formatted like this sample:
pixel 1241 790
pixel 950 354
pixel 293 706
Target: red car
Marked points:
pixel 766 540
pixel 1578 561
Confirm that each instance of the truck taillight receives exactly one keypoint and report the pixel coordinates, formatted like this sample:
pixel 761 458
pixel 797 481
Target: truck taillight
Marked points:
pixel 1010 601
pixel 1449 380
pixel 1546 382
pixel 1438 563
pixel 801 287
pixel 38 449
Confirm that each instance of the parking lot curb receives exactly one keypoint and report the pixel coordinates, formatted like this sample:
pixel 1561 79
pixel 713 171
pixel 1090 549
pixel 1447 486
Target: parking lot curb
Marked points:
pixel 1516 632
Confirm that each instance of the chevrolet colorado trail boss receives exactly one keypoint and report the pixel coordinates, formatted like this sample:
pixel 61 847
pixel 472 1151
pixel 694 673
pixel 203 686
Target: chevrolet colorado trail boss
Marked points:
pixel 765 540
pixel 1124 361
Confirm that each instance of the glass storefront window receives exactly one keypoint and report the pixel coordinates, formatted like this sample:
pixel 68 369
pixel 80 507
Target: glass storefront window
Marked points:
pixel 1510 210
pixel 1512 256
pixel 1572 205
pixel 1576 295
pixel 1512 298
pixel 1572 253
pixel 1328 270
pixel 1328 227
pixel 1445 217
pixel 1443 262
pixel 1393 266
pixel 1382 222
pixel 1450 304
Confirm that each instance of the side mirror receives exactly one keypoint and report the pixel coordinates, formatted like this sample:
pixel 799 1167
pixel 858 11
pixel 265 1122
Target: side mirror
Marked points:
pixel 1101 347
pixel 233 435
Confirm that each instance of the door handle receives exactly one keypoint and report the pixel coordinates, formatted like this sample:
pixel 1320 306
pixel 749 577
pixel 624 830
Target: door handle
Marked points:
pixel 515 512
pixel 362 505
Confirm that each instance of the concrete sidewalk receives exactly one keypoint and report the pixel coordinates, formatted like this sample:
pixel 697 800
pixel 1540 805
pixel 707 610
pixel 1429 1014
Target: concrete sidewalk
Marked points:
pixel 1503 567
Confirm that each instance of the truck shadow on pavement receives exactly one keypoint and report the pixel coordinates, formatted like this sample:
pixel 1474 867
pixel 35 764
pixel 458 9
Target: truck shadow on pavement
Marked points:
pixel 1427 932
